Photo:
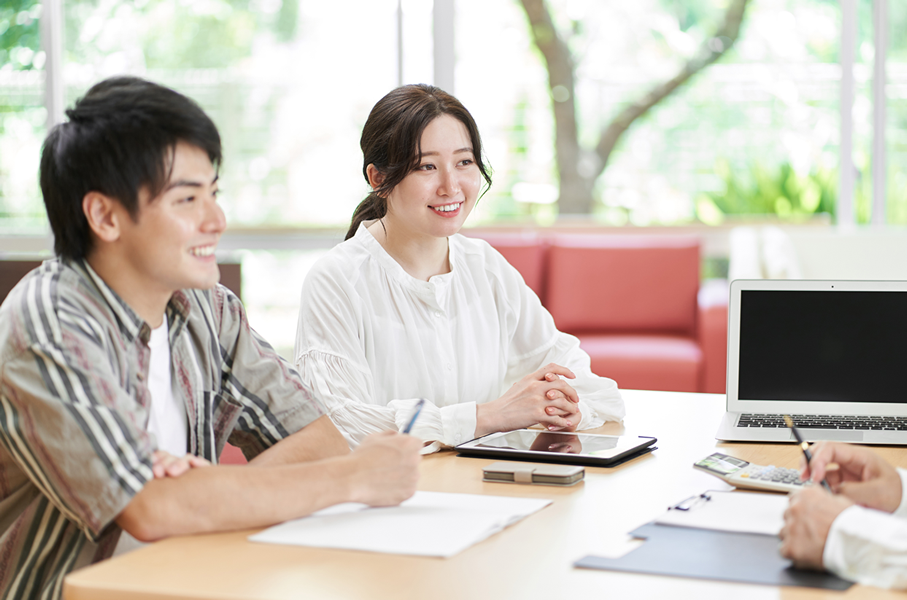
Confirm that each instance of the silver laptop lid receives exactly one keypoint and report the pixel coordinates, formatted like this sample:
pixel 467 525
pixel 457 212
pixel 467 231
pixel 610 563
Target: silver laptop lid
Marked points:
pixel 817 347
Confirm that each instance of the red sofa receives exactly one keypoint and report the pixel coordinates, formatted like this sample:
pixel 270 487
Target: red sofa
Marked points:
pixel 634 301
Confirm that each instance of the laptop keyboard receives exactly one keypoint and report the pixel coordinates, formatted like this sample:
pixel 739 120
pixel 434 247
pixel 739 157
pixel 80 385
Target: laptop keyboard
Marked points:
pixel 825 422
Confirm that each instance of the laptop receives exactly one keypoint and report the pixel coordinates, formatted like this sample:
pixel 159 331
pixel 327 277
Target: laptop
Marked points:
pixel 831 354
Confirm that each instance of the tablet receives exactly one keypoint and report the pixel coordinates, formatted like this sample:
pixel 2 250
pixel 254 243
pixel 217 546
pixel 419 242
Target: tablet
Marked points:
pixel 558 447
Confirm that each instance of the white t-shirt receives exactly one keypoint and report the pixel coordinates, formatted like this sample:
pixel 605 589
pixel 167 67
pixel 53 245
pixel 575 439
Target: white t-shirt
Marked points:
pixel 167 418
pixel 372 339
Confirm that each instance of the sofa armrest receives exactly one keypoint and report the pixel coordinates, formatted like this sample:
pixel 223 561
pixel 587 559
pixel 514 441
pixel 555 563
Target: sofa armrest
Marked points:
pixel 712 334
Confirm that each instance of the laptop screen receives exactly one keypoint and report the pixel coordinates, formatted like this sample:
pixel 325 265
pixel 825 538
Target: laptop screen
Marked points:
pixel 821 346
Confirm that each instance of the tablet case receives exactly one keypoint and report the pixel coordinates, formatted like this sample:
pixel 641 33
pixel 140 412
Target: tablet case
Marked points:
pixel 706 554
pixel 519 472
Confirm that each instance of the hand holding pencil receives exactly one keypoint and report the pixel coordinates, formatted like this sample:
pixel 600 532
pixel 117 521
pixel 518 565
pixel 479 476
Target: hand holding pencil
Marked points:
pixel 857 475
pixel 804 445
pixel 856 472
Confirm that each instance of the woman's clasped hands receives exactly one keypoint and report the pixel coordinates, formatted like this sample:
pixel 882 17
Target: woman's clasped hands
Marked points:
pixel 541 398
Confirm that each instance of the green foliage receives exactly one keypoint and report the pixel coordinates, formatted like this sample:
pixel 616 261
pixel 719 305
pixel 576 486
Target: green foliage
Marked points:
pixel 287 17
pixel 202 34
pixel 200 41
pixel 20 36
pixel 700 15
pixel 761 190
pixel 897 21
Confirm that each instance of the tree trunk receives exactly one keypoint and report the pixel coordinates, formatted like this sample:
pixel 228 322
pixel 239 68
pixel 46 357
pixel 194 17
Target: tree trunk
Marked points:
pixel 576 188
pixel 713 49
pixel 575 193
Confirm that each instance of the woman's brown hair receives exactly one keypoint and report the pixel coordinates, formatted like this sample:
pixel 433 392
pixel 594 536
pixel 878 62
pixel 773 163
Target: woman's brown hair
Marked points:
pixel 391 141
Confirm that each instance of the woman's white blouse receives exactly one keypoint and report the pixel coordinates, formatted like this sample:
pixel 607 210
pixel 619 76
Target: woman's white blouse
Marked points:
pixel 372 340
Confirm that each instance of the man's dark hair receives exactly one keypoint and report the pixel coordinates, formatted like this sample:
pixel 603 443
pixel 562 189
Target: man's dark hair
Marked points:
pixel 120 138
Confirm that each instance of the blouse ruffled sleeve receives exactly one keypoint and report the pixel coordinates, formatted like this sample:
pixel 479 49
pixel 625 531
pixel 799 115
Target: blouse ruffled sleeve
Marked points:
pixel 330 359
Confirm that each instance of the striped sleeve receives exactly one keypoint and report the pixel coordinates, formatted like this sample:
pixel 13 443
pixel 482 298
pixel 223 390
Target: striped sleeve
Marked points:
pixel 66 419
pixel 275 401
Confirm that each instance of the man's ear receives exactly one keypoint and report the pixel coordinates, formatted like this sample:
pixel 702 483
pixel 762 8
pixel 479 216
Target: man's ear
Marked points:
pixel 102 215
pixel 375 177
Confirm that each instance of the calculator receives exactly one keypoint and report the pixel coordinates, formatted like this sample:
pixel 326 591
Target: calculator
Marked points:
pixel 743 474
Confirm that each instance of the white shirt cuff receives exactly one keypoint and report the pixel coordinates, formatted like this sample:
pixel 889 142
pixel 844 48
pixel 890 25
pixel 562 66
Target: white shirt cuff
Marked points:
pixel 834 556
pixel 901 510
pixel 458 423
pixel 867 546
pixel 589 418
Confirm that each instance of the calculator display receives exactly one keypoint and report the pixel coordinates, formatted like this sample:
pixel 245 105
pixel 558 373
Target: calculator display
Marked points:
pixel 722 464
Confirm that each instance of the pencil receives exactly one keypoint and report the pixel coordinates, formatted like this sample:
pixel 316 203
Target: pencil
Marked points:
pixel 804 445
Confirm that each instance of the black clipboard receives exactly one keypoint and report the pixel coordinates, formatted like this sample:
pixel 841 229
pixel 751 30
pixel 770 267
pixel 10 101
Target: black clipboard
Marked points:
pixel 708 554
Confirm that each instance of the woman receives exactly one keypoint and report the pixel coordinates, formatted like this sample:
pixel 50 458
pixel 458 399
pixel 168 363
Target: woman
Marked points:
pixel 408 308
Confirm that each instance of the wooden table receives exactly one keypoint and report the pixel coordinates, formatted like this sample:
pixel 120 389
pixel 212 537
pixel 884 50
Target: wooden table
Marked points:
pixel 531 559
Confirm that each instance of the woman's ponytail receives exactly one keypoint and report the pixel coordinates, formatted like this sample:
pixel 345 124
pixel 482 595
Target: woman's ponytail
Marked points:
pixel 373 207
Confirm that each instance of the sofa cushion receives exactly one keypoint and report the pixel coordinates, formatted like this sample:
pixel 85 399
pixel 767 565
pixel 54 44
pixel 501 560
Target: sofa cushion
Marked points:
pixel 623 283
pixel 646 361
pixel 232 456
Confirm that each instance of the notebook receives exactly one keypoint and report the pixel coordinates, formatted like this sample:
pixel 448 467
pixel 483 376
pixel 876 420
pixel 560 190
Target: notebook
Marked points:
pixel 428 524
pixel 832 354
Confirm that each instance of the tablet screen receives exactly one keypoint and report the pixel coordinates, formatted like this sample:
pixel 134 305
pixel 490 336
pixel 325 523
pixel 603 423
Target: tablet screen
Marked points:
pixel 603 446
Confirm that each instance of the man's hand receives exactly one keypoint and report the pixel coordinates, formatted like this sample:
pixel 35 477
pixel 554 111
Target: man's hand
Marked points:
pixel 388 468
pixel 540 398
pixel 164 464
pixel 807 521
pixel 860 474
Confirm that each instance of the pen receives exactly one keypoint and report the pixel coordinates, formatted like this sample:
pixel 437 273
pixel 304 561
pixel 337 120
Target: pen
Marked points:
pixel 415 416
pixel 803 446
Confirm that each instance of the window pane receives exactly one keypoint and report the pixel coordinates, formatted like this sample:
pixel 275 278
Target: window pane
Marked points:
pixel 288 83
pixel 756 132
pixel 22 116
pixel 896 134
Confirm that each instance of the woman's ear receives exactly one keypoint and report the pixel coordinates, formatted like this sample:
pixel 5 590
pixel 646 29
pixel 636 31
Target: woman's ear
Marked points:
pixel 102 216
pixel 375 177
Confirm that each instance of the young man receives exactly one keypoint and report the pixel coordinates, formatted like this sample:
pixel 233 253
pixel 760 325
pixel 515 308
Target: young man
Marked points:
pixel 860 531
pixel 123 365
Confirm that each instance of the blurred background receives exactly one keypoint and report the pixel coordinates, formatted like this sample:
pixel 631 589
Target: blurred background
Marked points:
pixel 646 114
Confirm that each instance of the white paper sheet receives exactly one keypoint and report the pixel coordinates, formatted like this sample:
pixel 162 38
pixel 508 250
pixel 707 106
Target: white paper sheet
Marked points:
pixel 743 512
pixel 428 524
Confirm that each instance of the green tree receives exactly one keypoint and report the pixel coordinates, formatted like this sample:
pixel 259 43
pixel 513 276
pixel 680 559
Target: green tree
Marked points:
pixel 20 36
pixel 577 186
pixel 180 35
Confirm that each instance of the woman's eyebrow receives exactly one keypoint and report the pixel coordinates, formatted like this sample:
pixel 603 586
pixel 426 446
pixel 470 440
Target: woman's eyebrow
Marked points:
pixel 458 151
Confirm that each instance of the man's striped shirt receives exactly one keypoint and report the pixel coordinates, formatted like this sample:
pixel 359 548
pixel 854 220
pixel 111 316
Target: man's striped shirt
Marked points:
pixel 74 406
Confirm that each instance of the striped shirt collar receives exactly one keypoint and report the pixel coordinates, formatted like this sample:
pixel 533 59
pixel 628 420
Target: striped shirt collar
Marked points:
pixel 131 324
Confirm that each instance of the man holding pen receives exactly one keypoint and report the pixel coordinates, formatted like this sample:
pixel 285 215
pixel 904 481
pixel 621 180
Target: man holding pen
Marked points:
pixel 860 531
pixel 125 367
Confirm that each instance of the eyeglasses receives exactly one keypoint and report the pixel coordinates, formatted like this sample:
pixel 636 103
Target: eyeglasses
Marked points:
pixel 691 502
